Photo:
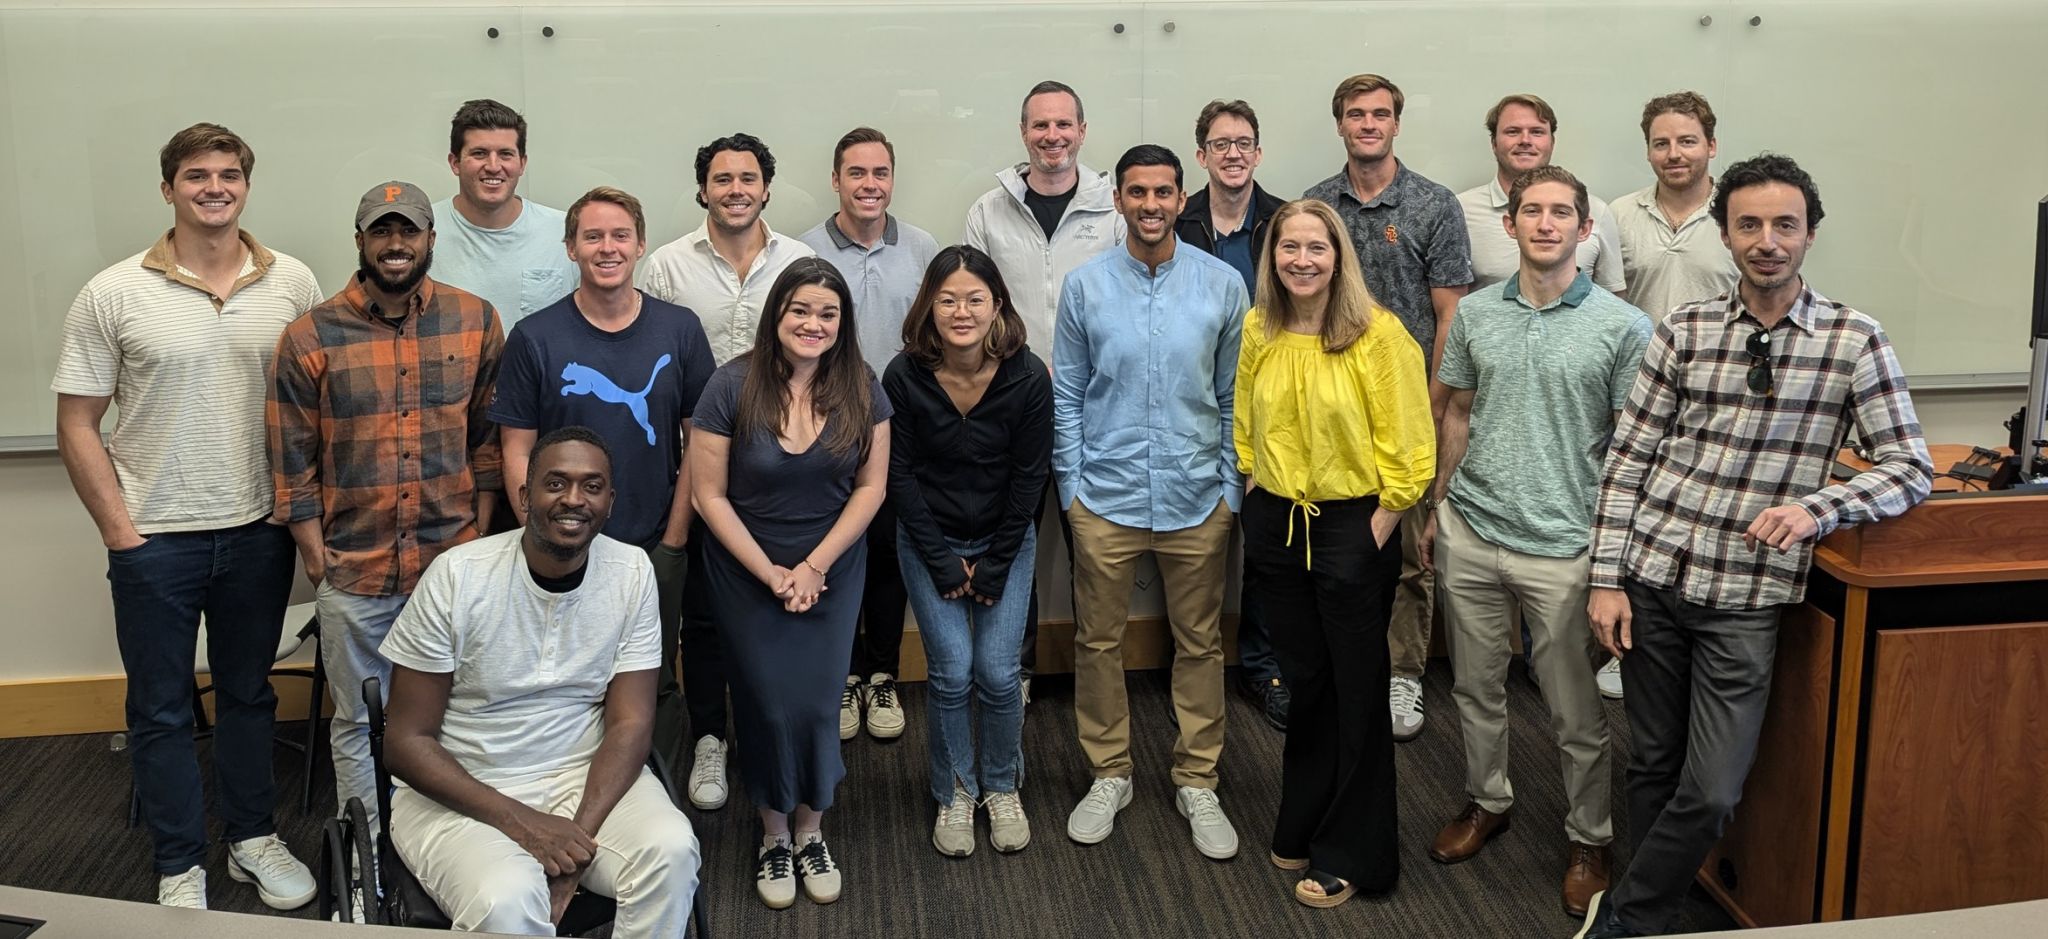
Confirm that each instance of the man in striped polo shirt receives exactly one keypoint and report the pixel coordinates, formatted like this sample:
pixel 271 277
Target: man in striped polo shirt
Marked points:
pixel 1712 497
pixel 380 449
pixel 181 334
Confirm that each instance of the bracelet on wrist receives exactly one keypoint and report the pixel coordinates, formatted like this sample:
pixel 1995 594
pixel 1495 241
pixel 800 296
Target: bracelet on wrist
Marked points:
pixel 814 568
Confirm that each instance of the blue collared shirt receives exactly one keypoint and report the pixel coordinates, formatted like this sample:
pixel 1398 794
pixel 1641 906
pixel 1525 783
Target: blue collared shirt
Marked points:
pixel 1144 372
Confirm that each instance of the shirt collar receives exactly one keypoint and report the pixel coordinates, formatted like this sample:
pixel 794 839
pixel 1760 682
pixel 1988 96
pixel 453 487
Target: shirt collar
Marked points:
pixel 1647 199
pixel 1801 315
pixel 1574 295
pixel 1144 270
pixel 1498 197
pixel 163 260
pixel 359 300
pixel 843 243
pixel 1390 196
pixel 700 239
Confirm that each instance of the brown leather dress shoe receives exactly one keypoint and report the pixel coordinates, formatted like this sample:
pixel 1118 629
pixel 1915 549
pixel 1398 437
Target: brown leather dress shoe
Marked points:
pixel 1466 834
pixel 1585 874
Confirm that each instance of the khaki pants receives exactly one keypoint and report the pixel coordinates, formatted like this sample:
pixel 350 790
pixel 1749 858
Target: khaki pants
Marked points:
pixel 1191 569
pixel 1414 602
pixel 1479 582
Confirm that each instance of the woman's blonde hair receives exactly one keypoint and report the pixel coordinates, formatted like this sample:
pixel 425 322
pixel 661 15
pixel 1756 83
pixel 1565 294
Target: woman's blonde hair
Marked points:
pixel 1351 309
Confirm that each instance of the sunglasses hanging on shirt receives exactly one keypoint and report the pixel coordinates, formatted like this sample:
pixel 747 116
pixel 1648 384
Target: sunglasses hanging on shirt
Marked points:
pixel 1759 349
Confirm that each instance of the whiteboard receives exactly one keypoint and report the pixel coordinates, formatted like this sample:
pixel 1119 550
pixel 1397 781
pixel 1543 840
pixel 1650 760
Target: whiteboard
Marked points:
pixel 1919 120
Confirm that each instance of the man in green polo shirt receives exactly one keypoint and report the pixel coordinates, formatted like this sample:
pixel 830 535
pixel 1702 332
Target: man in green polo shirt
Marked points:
pixel 1537 366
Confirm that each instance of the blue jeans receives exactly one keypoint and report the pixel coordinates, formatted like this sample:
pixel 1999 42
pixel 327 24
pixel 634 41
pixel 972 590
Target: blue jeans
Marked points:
pixel 239 579
pixel 968 645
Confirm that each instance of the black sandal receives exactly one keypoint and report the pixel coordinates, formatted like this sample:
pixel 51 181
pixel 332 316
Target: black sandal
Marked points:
pixel 1333 890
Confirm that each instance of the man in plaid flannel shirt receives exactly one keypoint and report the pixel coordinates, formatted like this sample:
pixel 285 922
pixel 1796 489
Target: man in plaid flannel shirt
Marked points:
pixel 1712 496
pixel 380 449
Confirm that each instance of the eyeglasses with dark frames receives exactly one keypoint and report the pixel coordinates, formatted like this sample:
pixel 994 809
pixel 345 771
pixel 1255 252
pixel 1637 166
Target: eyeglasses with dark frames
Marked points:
pixel 1223 145
pixel 1759 349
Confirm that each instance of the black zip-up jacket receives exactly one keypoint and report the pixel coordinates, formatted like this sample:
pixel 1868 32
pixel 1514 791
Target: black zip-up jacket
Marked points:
pixel 1195 228
pixel 972 476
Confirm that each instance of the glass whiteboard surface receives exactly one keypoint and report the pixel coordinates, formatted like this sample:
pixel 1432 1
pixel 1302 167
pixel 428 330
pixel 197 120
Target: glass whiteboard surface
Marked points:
pixel 1905 113
pixel 331 101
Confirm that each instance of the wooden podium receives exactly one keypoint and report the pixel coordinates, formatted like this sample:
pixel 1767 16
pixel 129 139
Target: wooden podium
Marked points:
pixel 1904 761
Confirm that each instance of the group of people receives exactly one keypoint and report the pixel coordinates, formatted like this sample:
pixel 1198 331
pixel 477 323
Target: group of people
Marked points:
pixel 727 483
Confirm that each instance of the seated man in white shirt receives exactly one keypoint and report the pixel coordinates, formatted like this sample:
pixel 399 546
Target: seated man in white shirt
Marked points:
pixel 522 710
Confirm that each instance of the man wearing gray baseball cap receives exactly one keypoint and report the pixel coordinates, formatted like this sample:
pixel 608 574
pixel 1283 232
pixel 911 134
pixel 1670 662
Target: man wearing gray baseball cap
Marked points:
pixel 380 450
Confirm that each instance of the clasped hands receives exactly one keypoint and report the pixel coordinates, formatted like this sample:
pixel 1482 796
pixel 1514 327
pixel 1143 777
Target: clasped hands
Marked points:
pixel 563 849
pixel 799 587
pixel 967 589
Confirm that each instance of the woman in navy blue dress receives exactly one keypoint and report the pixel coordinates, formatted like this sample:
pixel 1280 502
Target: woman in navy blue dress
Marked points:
pixel 789 457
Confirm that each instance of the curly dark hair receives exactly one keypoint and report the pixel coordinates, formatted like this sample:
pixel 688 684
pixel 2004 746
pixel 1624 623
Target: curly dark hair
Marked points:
pixel 743 143
pixel 1761 169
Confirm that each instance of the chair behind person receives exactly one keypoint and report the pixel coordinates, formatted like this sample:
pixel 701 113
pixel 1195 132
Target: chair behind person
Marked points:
pixel 351 861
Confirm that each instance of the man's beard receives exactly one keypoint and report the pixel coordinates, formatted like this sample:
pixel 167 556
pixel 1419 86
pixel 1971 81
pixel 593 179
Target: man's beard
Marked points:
pixel 376 278
pixel 537 527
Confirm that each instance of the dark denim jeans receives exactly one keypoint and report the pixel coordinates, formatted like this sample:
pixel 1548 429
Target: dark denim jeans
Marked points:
pixel 239 579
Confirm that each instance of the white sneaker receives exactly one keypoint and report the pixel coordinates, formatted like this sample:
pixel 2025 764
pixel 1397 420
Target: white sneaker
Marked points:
pixel 282 881
pixel 707 774
pixel 849 709
pixel 1093 819
pixel 885 709
pixel 1609 680
pixel 775 874
pixel 1404 700
pixel 186 890
pixel 1213 835
pixel 1008 829
pixel 815 865
pixel 953 833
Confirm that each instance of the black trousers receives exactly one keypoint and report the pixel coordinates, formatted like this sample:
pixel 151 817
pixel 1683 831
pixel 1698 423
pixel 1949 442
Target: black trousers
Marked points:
pixel 1329 633
pixel 878 646
pixel 703 652
pixel 1052 492
pixel 671 577
pixel 1698 681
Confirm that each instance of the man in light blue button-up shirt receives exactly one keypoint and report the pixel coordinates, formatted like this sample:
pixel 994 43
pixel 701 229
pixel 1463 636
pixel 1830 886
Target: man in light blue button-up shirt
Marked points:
pixel 1144 368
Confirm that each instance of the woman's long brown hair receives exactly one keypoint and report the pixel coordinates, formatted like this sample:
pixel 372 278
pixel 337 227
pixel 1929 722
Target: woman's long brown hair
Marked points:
pixel 841 391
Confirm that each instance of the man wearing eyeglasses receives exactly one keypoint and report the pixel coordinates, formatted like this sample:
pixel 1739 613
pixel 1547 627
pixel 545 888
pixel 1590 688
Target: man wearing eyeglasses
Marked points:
pixel 1711 499
pixel 1228 219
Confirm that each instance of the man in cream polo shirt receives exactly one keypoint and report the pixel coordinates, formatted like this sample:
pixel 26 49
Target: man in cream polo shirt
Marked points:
pixel 1670 245
pixel 181 336
pixel 1523 131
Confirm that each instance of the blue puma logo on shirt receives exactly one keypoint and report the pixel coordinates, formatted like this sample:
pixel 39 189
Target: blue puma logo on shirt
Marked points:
pixel 584 380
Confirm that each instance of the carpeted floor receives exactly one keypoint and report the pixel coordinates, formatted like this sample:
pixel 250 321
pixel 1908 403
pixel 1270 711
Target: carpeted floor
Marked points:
pixel 63 813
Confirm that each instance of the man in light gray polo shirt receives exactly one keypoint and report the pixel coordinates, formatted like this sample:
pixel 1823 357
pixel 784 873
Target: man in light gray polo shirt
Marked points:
pixel 1669 243
pixel 1411 241
pixel 493 242
pixel 883 260
pixel 1537 368
pixel 1523 131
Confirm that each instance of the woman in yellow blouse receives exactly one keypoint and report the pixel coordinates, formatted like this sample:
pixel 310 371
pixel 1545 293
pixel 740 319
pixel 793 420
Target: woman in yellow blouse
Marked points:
pixel 1333 431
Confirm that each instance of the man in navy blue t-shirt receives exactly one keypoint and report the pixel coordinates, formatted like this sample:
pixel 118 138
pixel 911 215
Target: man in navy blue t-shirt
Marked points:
pixel 629 367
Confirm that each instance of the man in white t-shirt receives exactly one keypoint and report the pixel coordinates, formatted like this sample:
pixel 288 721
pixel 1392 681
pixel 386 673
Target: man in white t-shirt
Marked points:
pixel 522 711
pixel 181 334
pixel 492 241
pixel 1523 132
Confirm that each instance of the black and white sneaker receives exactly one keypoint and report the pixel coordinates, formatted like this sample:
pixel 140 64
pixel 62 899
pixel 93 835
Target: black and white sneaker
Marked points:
pixel 775 876
pixel 849 708
pixel 820 875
